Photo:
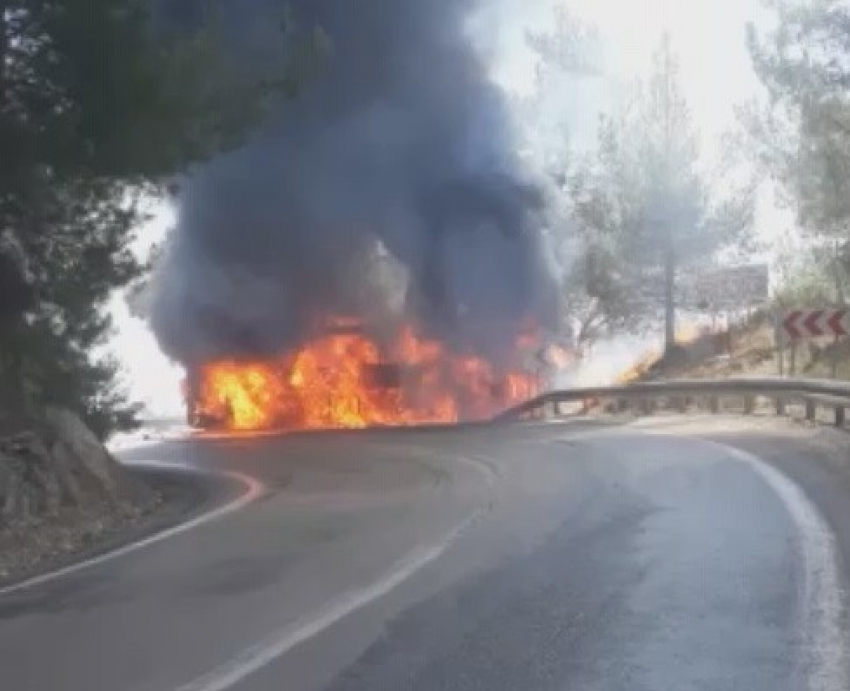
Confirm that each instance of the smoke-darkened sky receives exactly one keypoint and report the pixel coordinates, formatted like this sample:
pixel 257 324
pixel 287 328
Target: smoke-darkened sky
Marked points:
pixel 715 70
pixel 402 138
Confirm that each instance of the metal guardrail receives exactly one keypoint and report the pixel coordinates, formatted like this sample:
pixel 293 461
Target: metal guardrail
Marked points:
pixel 676 394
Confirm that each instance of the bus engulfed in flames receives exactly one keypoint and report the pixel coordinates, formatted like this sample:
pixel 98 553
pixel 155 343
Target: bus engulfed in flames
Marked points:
pixel 345 380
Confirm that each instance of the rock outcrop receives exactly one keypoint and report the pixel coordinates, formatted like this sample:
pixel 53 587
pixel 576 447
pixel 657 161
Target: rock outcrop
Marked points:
pixel 60 490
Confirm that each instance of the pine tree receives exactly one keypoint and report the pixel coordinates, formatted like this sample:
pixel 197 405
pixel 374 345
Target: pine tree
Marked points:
pixel 802 131
pixel 645 205
pixel 99 107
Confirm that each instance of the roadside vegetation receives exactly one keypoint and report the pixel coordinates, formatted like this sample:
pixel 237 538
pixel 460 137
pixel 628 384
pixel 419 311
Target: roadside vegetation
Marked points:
pixel 645 205
pixel 93 128
pixel 104 104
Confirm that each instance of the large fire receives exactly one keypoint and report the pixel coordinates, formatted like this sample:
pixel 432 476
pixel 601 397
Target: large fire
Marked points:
pixel 346 380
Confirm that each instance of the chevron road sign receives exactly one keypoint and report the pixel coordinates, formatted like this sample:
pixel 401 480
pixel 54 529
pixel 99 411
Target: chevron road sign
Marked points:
pixel 801 324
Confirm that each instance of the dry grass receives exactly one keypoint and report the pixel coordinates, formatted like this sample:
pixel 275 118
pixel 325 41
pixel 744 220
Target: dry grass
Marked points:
pixel 751 350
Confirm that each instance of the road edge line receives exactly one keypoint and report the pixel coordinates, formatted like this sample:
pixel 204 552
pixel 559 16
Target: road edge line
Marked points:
pixel 825 663
pixel 254 489
pixel 823 606
pixel 259 655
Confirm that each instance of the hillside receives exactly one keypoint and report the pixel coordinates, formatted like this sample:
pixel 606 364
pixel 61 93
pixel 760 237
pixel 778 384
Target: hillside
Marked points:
pixel 61 492
pixel 748 349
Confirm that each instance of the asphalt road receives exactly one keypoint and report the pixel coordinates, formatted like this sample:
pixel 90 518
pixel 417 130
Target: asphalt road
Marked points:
pixel 669 556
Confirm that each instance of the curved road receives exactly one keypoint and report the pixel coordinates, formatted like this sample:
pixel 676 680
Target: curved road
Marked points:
pixel 671 555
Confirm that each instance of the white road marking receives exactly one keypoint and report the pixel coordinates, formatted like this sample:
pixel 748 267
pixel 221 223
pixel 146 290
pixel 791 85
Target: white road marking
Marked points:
pixel 265 652
pixel 824 666
pixel 253 490
pixel 825 663
pixel 257 656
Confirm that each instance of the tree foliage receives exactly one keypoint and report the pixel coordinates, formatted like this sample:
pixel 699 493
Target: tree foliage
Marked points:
pixel 99 106
pixel 569 64
pixel 802 132
pixel 645 205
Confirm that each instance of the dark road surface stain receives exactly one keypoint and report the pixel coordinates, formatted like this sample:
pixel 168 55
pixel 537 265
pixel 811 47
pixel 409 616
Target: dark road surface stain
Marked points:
pixel 523 626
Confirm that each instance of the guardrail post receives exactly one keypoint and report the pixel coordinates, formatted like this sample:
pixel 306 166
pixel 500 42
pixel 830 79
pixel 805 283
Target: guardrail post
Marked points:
pixel 811 411
pixel 749 405
pixel 780 406
pixel 714 405
pixel 839 416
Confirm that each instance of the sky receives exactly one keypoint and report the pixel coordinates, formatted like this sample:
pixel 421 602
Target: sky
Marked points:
pixel 716 76
pixel 149 376
pixel 708 35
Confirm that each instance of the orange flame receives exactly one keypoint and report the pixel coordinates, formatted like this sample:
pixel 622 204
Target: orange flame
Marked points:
pixel 685 335
pixel 559 357
pixel 345 380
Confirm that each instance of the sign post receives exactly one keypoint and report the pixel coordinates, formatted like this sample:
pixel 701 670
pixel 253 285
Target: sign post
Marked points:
pixel 835 357
pixel 799 325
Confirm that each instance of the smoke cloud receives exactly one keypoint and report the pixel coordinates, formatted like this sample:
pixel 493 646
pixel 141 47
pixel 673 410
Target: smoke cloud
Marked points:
pixel 402 141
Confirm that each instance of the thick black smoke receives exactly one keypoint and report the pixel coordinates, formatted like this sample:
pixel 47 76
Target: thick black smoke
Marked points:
pixel 403 138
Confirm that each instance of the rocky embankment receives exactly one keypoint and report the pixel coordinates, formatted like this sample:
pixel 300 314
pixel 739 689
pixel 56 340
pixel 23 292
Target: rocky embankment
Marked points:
pixel 61 493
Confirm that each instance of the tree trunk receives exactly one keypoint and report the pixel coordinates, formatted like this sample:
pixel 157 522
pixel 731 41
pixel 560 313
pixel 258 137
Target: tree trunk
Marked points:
pixel 669 300
pixel 4 49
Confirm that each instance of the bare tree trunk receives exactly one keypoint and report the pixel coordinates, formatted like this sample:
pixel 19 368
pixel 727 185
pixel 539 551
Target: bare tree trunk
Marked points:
pixel 669 299
pixel 669 247
pixel 4 99
pixel 4 52
pixel 4 45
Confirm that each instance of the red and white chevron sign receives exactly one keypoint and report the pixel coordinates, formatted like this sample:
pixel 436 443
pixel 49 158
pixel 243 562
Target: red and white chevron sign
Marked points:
pixel 801 324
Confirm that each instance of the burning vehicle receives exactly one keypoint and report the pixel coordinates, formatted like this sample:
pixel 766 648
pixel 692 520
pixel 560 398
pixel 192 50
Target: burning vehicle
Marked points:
pixel 401 145
pixel 346 379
